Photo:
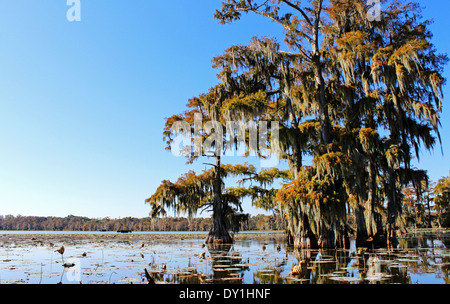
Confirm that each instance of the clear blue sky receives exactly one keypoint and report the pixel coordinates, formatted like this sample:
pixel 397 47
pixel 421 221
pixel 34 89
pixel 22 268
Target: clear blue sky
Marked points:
pixel 82 104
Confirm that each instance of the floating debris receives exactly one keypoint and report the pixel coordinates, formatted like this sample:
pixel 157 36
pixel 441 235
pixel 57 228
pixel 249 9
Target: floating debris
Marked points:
pixel 13 281
pixel 324 261
pixel 68 265
pixel 241 265
pixel 340 272
pixel 345 279
pixel 378 277
pixel 297 279
pixel 395 265
pixel 299 269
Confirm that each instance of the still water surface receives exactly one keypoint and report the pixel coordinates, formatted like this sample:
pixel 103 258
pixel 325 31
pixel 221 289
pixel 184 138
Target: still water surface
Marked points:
pixel 255 258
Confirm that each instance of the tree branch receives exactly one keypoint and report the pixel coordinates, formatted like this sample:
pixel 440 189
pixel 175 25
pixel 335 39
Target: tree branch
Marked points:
pixel 296 7
pixel 310 40
pixel 294 54
pixel 316 28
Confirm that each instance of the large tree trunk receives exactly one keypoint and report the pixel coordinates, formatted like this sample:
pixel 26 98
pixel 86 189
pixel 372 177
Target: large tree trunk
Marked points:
pixel 305 238
pixel 369 224
pixel 333 233
pixel 327 240
pixel 361 229
pixel 289 237
pixel 429 209
pixel 364 238
pixel 295 161
pixel 343 239
pixel 392 207
pixel 330 239
pixel 219 231
pixel 324 118
pixel 219 234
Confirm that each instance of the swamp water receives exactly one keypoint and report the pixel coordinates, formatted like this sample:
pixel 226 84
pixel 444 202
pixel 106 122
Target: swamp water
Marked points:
pixel 254 258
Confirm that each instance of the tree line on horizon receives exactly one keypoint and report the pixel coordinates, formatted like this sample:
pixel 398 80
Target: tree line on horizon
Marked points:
pixel 426 209
pixel 80 223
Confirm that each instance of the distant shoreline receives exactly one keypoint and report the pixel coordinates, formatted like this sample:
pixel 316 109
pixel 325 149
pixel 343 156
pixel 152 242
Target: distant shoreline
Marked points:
pixel 165 224
pixel 37 232
pixel 22 238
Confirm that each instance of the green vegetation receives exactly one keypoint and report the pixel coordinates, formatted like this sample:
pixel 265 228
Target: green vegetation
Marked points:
pixel 78 223
pixel 442 201
pixel 359 97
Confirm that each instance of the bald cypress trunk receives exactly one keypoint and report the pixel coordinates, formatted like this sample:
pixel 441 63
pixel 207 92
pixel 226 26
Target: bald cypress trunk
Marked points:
pixel 305 238
pixel 219 231
pixel 392 210
pixel 370 231
pixel 361 229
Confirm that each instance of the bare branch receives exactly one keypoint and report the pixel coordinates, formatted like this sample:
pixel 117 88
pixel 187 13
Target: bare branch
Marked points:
pixel 294 54
pixel 296 7
pixel 310 40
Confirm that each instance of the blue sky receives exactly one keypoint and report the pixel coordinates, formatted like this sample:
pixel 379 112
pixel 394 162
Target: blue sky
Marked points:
pixel 82 104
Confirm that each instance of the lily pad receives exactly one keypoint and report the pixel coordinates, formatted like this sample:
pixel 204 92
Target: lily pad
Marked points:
pixel 329 275
pixel 222 266
pixel 408 260
pixel 297 279
pixel 98 282
pixel 240 265
pixel 44 274
pixel 266 270
pixel 378 277
pixel 340 272
pixel 129 280
pixel 345 279
pixel 13 281
pixel 395 265
pixel 230 279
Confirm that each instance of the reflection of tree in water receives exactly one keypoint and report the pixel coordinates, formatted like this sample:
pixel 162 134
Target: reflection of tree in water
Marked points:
pixel 221 266
pixel 227 266
pixel 313 266
pixel 417 256
pixel 326 262
pixel 344 266
pixel 414 256
pixel 188 275
pixel 446 242
pixel 271 275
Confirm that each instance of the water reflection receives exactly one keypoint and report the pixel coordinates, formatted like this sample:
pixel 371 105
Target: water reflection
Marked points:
pixel 423 259
pixel 221 264
pixel 419 258
pixel 227 265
